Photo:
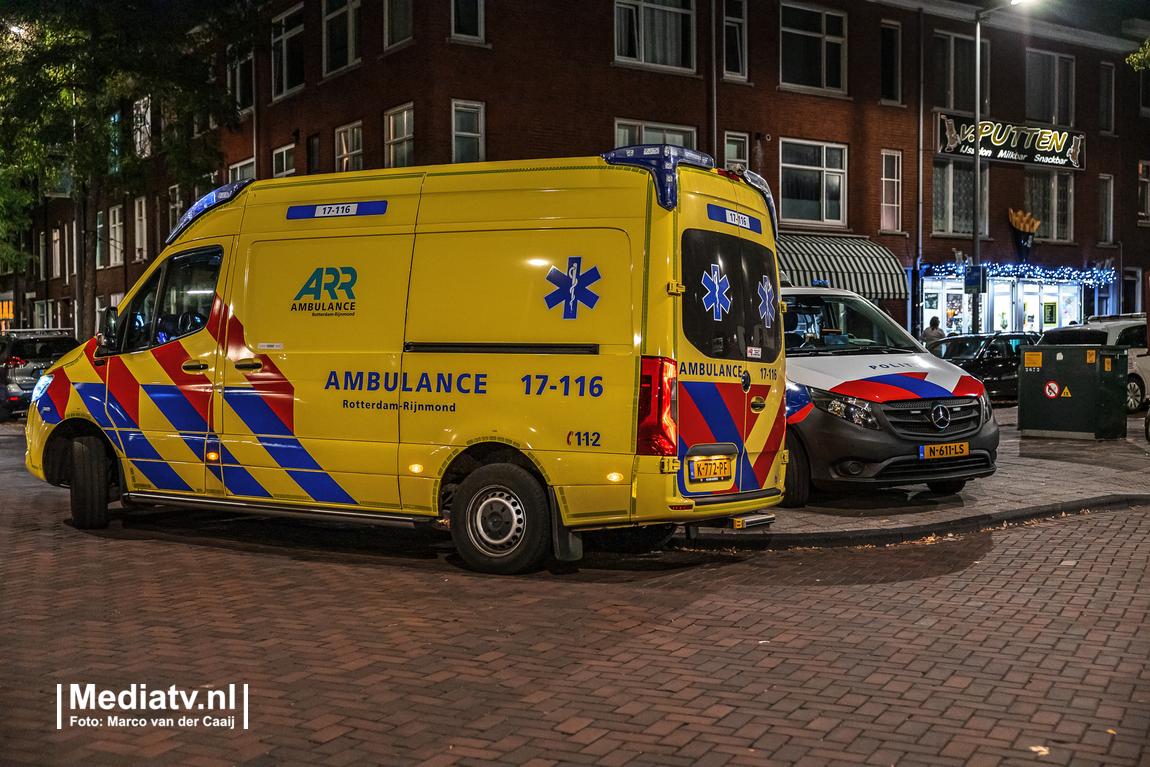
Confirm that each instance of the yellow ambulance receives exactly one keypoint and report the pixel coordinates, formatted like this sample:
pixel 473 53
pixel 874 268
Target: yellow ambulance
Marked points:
pixel 519 351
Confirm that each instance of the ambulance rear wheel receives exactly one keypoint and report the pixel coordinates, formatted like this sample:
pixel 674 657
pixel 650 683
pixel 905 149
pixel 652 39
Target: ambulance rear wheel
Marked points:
pixel 89 485
pixel 798 477
pixel 500 521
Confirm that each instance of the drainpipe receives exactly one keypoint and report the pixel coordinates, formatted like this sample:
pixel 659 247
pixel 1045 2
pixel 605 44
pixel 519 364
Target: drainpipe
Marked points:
pixel 714 85
pixel 915 313
pixel 255 104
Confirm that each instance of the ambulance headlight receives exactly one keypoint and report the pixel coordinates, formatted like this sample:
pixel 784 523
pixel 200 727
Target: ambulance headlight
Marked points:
pixel 41 387
pixel 857 411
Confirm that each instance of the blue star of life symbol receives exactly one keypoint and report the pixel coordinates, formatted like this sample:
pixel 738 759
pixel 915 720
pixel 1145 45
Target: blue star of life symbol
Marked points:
pixel 767 297
pixel 716 300
pixel 572 287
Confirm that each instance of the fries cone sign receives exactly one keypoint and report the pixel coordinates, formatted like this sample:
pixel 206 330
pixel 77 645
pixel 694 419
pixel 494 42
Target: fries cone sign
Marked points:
pixel 1022 229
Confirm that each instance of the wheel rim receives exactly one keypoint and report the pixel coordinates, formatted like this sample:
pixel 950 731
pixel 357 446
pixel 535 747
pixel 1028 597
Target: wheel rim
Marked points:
pixel 1133 396
pixel 496 521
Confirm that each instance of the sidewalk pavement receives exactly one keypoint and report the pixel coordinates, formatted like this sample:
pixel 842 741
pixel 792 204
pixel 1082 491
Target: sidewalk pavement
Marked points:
pixel 1036 478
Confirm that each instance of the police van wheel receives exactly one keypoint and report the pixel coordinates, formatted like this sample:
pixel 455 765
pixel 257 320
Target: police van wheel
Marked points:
pixel 500 520
pixel 798 476
pixel 89 484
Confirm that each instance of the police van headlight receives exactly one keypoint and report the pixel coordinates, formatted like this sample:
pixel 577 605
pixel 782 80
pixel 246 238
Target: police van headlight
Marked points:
pixel 41 387
pixel 987 411
pixel 857 411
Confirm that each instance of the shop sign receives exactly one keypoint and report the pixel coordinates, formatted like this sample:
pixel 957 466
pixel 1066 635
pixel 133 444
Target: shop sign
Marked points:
pixel 1004 142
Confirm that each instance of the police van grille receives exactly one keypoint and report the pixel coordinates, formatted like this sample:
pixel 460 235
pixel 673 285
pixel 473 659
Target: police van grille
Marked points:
pixel 914 468
pixel 911 418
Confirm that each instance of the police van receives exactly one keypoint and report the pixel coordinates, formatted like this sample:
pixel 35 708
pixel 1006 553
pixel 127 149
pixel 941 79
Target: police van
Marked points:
pixel 519 351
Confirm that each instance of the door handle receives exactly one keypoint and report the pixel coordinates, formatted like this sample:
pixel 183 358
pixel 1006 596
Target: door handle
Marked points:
pixel 193 366
pixel 757 404
pixel 249 364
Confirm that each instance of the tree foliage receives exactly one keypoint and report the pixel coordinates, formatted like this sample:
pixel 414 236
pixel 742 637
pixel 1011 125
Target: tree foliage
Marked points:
pixel 1140 59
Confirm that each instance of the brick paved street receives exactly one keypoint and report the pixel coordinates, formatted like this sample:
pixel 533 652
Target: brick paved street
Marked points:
pixel 1029 645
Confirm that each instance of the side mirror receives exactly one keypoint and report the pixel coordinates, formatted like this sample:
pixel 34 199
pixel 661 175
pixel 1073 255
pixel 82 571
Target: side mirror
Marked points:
pixel 106 337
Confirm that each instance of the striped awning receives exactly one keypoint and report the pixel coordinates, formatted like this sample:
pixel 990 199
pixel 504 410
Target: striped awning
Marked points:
pixel 853 263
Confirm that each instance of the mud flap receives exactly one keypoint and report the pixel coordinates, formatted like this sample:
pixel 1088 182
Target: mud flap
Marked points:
pixel 568 546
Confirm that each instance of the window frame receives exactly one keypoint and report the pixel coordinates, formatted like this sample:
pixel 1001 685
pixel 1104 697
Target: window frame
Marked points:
pixel 175 206
pixel 480 107
pixel 353 23
pixel 390 141
pixel 140 232
pixel 482 36
pixel 1144 93
pixel 843 221
pixel 1052 218
pixel 387 6
pixel 235 75
pixel 1105 87
pixel 100 249
pixel 745 138
pixel 276 153
pixel 236 168
pixel 642 126
pixel 57 247
pixel 985 64
pixel 1105 209
pixel 887 24
pixel 823 38
pixel 897 180
pixel 1143 193
pixel 984 197
pixel 350 155
pixel 283 38
pixel 638 7
pixel 116 243
pixel 1073 78
pixel 142 126
pixel 740 23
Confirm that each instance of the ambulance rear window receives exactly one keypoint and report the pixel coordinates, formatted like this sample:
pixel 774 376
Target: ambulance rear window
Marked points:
pixel 730 307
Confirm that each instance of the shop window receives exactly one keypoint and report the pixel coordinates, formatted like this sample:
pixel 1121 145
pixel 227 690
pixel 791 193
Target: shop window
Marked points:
pixel 1050 199
pixel 287 53
pixel 1106 98
pixel 340 34
pixel 349 148
pixel 735 147
pixel 891 191
pixel 399 137
pixel 735 39
pixel 397 22
pixel 953 197
pixel 890 58
pixel 814 182
pixel 655 32
pixel 630 133
pixel 954 73
pixel 813 48
pixel 467 20
pixel 467 139
pixel 1049 88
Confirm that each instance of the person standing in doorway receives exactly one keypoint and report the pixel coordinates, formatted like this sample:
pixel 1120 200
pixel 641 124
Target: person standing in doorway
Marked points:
pixel 932 333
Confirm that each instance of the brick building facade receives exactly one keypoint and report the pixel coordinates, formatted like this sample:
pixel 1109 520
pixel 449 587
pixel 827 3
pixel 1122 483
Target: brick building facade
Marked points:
pixel 837 104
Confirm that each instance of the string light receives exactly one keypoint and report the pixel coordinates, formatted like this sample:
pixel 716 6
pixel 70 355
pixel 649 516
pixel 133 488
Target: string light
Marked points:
pixel 1087 277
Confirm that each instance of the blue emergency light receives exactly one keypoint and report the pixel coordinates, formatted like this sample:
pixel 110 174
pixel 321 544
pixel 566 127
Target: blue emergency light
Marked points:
pixel 206 203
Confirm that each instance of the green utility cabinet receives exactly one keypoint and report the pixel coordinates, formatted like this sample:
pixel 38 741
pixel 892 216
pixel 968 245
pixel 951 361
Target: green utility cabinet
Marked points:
pixel 1073 392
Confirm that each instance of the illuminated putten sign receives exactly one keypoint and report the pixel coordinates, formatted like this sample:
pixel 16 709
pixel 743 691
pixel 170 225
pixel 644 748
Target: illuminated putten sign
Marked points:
pixel 1004 142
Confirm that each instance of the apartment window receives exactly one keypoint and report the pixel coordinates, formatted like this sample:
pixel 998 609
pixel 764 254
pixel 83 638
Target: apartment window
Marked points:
pixel 100 250
pixel 1049 88
pixel 891 219
pixel 75 244
pixel 814 182
pixel 1106 99
pixel 1105 210
pixel 241 82
pixel 735 150
pixel 116 235
pixel 890 59
pixel 467 19
pixel 735 39
pixel 56 253
pixel 397 24
pixel 399 141
pixel 287 53
pixel 283 161
pixel 630 133
pixel 349 148
pixel 209 182
pixel 114 143
pixel 953 197
pixel 657 32
pixel 101 303
pixel 1143 193
pixel 954 73
pixel 43 255
pixel 175 206
pixel 813 48
pixel 340 34
pixel 1144 91
pixel 313 154
pixel 115 300
pixel 241 170
pixel 1050 198
pixel 141 229
pixel 41 319
pixel 142 126
pixel 467 144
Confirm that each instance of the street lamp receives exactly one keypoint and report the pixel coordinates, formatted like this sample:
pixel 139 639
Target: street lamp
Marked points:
pixel 977 233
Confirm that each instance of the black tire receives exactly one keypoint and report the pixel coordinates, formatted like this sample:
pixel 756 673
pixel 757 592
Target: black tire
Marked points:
pixel 797 480
pixel 5 413
pixel 630 540
pixel 500 520
pixel 1135 393
pixel 947 486
pixel 89 484
pixel 1146 425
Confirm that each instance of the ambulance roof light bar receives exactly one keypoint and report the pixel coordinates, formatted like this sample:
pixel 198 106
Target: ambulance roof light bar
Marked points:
pixel 204 204
pixel 661 160
pixel 760 183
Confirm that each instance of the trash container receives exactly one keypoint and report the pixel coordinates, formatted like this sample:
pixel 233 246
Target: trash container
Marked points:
pixel 1073 392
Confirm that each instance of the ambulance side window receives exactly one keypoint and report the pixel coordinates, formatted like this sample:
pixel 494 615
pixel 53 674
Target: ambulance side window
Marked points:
pixel 137 321
pixel 189 289
pixel 714 302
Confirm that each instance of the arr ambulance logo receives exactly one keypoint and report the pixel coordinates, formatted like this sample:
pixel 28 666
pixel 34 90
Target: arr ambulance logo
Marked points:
pixel 572 287
pixel 717 299
pixel 327 292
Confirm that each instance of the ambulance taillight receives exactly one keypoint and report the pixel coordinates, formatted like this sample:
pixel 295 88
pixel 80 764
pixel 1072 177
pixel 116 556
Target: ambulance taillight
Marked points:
pixel 658 432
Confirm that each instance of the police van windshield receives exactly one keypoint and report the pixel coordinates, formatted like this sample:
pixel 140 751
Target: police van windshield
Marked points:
pixel 840 324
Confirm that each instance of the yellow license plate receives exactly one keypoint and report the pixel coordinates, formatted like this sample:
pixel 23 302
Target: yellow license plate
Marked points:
pixel 709 469
pixel 953 450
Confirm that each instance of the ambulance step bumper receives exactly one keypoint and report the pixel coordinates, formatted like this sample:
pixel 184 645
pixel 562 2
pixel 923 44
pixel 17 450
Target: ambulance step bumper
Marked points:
pixel 745 521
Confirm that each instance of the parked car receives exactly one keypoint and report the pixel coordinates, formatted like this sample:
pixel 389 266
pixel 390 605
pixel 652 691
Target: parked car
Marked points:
pixel 992 358
pixel 867 406
pixel 24 355
pixel 1127 330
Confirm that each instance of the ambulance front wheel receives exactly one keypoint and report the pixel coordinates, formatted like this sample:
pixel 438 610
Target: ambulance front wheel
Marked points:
pixel 500 520
pixel 89 484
